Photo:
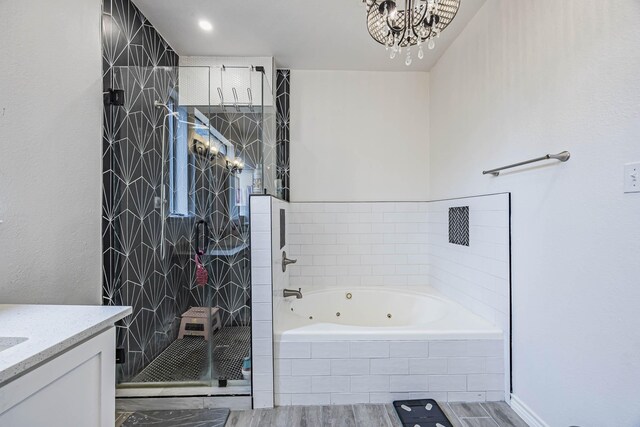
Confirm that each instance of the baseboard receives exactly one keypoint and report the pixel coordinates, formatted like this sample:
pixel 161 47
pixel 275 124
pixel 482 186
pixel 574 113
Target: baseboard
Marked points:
pixel 527 415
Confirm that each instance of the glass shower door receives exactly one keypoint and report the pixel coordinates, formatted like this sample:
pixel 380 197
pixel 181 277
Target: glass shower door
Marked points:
pixel 182 155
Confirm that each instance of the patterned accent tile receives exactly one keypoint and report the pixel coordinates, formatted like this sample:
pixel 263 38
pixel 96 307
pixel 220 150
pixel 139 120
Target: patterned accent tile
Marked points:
pixel 459 225
pixel 282 130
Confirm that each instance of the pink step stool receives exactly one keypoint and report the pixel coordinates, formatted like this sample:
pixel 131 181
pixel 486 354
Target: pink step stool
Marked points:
pixel 195 322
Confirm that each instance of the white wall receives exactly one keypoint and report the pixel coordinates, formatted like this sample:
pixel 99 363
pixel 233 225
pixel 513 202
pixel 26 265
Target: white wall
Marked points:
pixel 50 158
pixel 359 136
pixel 522 80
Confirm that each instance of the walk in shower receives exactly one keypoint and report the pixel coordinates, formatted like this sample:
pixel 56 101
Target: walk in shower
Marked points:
pixel 184 147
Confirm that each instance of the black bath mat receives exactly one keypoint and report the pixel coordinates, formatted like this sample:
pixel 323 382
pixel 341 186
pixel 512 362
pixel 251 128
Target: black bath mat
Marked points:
pixel 421 413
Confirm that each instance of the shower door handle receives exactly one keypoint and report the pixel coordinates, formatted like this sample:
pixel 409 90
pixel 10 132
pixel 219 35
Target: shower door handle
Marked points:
pixel 205 237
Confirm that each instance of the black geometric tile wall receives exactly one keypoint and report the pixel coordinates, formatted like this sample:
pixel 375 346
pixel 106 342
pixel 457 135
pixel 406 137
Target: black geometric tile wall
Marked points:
pixel 134 272
pixel 459 225
pixel 282 129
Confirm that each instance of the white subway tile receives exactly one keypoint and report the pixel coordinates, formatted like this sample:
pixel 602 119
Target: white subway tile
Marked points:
pixel 359 228
pixel 448 348
pixel 349 398
pixel 262 382
pixel 314 399
pixel 300 239
pixel 390 397
pixel 261 276
pixel 369 349
pixel 465 396
pixel 260 258
pixel 370 383
pixel 408 383
pixel 293 384
pixel 261 223
pixel 261 329
pixel 263 399
pixel 348 260
pixel 428 366
pixel 467 365
pixel 324 281
pixel 360 207
pixel 261 294
pixel 282 399
pixel 324 239
pixel 483 382
pixel 282 367
pixel 389 366
pixel 336 228
pixel 330 384
pixel 495 396
pixel 310 367
pixel 350 366
pixel 261 311
pixel 447 383
pixel 262 364
pixel 262 347
pixel 293 350
pixel 336 207
pixel 489 348
pixel 324 260
pixel 495 365
pixel 330 350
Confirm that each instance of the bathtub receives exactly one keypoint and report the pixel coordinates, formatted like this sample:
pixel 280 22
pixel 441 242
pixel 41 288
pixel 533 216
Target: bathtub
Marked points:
pixel 376 345
pixel 370 313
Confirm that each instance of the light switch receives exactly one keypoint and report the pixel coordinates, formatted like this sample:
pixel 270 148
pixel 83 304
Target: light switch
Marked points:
pixel 632 178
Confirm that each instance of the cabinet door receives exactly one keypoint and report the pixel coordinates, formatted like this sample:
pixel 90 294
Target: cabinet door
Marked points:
pixel 76 388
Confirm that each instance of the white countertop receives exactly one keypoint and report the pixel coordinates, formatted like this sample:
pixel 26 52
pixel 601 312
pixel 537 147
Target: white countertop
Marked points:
pixel 50 330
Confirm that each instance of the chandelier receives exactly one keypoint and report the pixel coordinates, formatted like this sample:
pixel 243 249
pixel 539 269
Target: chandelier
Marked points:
pixel 421 21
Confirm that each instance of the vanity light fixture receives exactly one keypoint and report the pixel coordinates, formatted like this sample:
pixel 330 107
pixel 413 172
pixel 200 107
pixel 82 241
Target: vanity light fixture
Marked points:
pixel 421 21
pixel 234 165
pixel 205 25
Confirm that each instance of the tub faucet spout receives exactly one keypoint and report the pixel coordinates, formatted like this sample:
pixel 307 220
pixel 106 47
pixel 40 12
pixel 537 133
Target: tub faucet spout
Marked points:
pixel 292 293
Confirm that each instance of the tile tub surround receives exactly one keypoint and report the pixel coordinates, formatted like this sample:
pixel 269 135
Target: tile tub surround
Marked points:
pixel 476 276
pixel 50 330
pixel 406 244
pixel 267 282
pixel 368 244
pixel 342 372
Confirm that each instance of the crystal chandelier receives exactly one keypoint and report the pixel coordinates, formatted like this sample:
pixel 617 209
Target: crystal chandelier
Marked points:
pixel 421 21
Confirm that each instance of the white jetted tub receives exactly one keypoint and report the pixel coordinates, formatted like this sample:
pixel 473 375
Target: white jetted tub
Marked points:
pixel 377 345
pixel 369 313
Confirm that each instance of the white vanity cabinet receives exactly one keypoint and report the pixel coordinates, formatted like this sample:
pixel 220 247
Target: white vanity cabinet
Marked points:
pixel 69 384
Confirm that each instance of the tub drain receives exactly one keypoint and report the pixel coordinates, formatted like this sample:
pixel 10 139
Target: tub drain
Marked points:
pixel 389 315
pixel 338 314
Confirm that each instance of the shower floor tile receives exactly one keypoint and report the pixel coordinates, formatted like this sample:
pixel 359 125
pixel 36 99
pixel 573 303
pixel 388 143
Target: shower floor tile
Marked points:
pixel 187 359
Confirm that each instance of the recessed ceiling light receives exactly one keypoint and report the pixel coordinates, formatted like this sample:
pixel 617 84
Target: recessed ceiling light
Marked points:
pixel 205 25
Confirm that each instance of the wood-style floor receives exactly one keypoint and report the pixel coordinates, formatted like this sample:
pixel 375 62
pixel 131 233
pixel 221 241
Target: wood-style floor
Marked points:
pixel 495 414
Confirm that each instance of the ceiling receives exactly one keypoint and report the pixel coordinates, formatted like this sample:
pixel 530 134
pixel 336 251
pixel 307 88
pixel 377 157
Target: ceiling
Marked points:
pixel 300 34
